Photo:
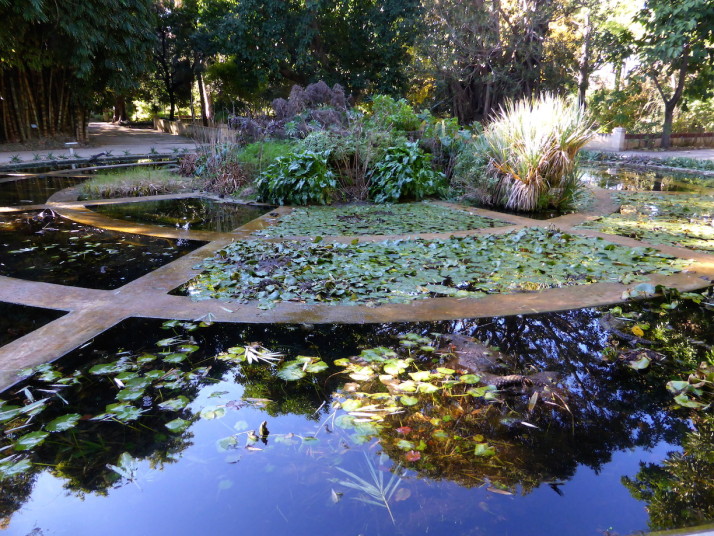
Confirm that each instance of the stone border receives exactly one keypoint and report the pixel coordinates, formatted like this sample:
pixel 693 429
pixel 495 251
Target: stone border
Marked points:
pixel 91 312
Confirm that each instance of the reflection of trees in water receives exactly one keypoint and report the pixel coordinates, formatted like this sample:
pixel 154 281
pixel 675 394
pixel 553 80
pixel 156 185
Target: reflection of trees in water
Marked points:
pixel 600 407
pixel 604 406
pixel 679 492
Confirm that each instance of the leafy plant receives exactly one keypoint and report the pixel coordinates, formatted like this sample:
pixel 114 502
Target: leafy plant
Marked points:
pixel 405 172
pixel 298 178
pixel 387 112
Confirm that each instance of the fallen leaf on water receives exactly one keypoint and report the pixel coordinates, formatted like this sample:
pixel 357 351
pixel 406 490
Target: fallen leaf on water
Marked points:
pixel 499 491
pixel 403 430
pixel 402 494
pixel 413 456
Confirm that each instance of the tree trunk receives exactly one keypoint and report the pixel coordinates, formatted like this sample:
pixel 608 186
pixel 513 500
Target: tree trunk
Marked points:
pixel 584 63
pixel 119 109
pixel 202 94
pixel 667 126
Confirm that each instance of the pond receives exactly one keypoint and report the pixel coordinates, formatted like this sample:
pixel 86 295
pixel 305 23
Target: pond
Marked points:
pixel 203 429
pixel 33 190
pixel 624 178
pixel 198 214
pixel 18 320
pixel 42 246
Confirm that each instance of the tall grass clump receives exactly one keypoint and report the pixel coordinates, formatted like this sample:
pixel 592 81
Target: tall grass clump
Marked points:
pixel 134 182
pixel 531 150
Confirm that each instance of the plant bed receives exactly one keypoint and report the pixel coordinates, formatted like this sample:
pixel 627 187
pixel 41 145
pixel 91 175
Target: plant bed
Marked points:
pixel 673 220
pixel 134 182
pixel 377 220
pixel 404 270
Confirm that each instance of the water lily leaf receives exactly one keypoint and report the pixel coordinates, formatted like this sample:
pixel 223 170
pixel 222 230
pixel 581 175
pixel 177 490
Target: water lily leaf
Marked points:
pixel 177 425
pixel 483 449
pixel 175 357
pixel 351 404
pixel 290 372
pixel 227 443
pixel 124 412
pixel 686 402
pixel 405 445
pixel 677 386
pixel 640 364
pixel 420 375
pixel 170 341
pixel 9 412
pixel 109 368
pixel 174 404
pixel 428 388
pixel 8 470
pixel 470 378
pixel 445 371
pixel 213 412
pixel 408 400
pixel 317 366
pixel 64 423
pixel 129 395
pixel 31 440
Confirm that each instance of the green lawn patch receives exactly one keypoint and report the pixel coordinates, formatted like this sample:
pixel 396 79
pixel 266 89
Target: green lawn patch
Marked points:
pixel 134 182
pixel 376 219
pixel 668 219
pixel 404 270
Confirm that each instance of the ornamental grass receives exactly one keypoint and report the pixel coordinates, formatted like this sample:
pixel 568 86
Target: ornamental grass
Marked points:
pixel 531 147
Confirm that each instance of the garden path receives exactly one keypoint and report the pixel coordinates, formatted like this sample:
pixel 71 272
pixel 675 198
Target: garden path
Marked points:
pixel 103 137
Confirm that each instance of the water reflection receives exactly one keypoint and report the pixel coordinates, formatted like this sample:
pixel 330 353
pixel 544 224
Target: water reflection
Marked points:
pixel 43 246
pixel 558 473
pixel 196 214
pixel 622 178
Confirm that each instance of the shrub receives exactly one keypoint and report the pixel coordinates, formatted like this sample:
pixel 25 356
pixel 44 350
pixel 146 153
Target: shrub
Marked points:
pixel 299 178
pixel 404 172
pixel 396 114
pixel 531 148
pixel 257 157
pixel 219 169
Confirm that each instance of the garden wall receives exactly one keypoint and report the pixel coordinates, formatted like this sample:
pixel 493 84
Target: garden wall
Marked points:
pixel 194 131
pixel 652 141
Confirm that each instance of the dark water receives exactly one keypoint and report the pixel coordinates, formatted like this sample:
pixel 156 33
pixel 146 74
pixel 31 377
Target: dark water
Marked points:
pixel 563 477
pixel 622 178
pixel 57 250
pixel 197 214
pixel 19 320
pixel 33 191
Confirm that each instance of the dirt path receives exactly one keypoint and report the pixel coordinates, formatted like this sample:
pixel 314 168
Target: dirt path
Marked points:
pixel 104 137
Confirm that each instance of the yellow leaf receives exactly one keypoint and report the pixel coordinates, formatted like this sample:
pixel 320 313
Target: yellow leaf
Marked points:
pixel 637 331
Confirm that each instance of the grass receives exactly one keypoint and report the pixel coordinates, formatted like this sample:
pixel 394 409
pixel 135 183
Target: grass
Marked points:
pixel 134 182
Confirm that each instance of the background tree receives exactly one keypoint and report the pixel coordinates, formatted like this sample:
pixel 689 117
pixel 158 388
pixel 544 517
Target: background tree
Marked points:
pixel 677 52
pixel 57 56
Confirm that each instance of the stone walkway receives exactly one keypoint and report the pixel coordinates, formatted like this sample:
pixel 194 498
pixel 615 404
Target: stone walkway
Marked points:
pixel 91 312
pixel 105 137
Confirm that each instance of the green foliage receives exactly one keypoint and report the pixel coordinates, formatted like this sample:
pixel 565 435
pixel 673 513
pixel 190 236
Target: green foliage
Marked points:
pixel 405 172
pixel 402 271
pixel 256 157
pixel 633 108
pixel 299 179
pixel 532 147
pixel 388 113
pixel 376 219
